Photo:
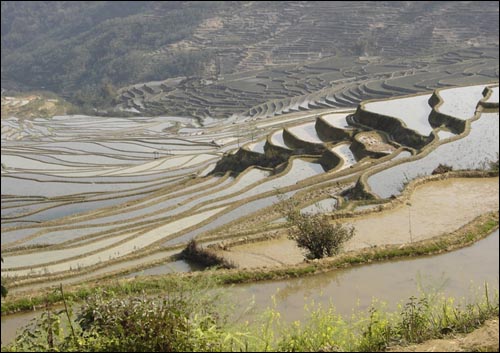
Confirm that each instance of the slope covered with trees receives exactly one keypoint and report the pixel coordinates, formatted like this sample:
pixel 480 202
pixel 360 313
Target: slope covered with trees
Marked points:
pixel 85 51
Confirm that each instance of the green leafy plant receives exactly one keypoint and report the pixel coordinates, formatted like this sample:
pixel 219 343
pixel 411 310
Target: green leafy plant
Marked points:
pixel 314 232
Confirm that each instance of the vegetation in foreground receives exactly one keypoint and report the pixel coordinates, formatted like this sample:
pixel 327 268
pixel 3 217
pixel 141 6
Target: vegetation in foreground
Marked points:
pixel 191 317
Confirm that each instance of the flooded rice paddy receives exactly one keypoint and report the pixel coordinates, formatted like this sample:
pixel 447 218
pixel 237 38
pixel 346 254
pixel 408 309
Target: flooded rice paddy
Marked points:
pixel 474 151
pixel 460 273
pixel 437 208
pixel 413 111
pixel 306 132
pixel 95 190
pixel 461 102
pixel 337 120
pixel 344 152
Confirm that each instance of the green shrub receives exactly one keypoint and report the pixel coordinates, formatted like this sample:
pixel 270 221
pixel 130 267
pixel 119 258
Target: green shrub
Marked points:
pixel 185 318
pixel 314 232
pixel 189 318
pixel 320 238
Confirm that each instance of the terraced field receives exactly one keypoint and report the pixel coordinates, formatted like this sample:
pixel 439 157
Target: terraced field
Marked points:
pixel 328 82
pixel 88 197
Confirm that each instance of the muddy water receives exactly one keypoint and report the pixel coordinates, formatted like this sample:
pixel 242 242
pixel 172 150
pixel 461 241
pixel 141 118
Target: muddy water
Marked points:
pixel 435 209
pixel 269 253
pixel 11 323
pixel 456 273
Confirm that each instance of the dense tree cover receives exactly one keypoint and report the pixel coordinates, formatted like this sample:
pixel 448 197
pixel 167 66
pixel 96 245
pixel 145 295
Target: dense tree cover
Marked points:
pixel 84 47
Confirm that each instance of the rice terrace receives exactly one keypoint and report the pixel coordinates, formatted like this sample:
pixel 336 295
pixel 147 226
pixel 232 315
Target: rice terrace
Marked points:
pixel 383 117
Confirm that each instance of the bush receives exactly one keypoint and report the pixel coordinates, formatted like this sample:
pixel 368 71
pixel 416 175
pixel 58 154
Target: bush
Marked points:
pixel 185 318
pixel 314 232
pixel 204 257
pixel 441 169
pixel 188 318
pixel 320 238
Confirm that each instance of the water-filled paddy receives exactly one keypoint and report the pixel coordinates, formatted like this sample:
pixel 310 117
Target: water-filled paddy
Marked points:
pixel 230 216
pixel 306 132
pixel 277 139
pixel 459 273
pixel 345 153
pixel 474 151
pixel 336 120
pixel 435 209
pixel 40 259
pixel 300 170
pixel 122 182
pixel 461 102
pixel 322 206
pixel 413 111
pixel 257 146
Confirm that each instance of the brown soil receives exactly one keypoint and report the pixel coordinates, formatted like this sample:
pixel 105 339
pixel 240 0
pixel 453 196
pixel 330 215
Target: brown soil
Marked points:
pixel 484 339
pixel 375 142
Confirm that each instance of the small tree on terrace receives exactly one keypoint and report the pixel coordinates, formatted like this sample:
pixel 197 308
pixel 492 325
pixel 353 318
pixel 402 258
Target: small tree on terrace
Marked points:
pixel 4 289
pixel 314 232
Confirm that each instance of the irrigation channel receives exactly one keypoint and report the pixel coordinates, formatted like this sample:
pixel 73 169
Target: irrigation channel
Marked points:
pixel 458 273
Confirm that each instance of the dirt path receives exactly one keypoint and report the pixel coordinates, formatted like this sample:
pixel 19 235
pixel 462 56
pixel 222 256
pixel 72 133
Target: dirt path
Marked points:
pixel 483 339
pixel 436 208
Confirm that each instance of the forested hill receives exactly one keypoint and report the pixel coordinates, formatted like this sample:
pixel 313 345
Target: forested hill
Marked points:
pixel 64 46
pixel 86 50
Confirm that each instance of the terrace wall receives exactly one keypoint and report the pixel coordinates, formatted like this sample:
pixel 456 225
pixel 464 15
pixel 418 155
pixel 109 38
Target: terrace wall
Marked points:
pixel 360 150
pixel 437 119
pixel 330 160
pixel 298 144
pixel 330 133
pixel 488 105
pixel 392 126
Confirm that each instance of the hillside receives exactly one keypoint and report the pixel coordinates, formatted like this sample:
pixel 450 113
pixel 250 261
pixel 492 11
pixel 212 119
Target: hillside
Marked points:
pixel 86 51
